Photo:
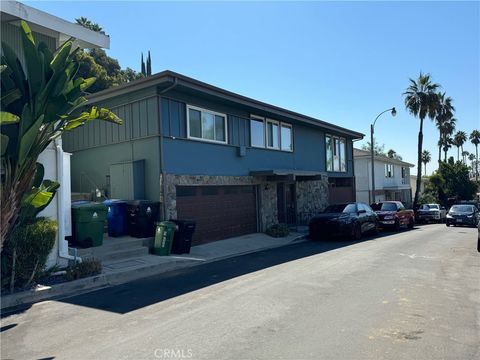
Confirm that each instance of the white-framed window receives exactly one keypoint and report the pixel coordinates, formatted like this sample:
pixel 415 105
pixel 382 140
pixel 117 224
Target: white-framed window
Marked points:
pixel 389 171
pixel 336 153
pixel 270 134
pixel 273 134
pixel 257 131
pixel 207 125
pixel 286 137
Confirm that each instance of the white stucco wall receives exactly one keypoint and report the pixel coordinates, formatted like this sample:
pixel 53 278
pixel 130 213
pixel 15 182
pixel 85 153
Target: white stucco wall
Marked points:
pixel 49 160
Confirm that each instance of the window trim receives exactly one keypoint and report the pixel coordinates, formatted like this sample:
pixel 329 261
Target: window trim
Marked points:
pixel 387 165
pixel 333 138
pixel 290 126
pixel 271 121
pixel 262 119
pixel 265 133
pixel 193 107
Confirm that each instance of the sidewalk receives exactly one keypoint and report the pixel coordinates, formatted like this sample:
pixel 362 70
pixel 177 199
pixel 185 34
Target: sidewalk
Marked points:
pixel 118 272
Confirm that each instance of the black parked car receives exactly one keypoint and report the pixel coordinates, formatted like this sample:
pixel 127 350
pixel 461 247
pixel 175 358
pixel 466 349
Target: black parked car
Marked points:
pixel 463 215
pixel 350 219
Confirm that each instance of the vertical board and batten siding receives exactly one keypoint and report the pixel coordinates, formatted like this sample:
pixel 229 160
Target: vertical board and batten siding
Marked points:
pixel 140 120
pixel 11 35
pixel 98 144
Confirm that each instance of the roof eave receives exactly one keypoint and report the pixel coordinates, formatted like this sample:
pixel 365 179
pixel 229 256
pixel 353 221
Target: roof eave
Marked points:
pixel 168 76
pixel 46 23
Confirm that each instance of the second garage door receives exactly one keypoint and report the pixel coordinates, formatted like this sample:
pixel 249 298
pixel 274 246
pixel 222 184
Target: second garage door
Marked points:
pixel 219 211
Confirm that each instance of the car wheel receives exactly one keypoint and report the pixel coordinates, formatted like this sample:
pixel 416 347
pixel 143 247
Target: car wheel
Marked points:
pixel 448 225
pixel 396 227
pixel 357 232
pixel 411 223
pixel 375 229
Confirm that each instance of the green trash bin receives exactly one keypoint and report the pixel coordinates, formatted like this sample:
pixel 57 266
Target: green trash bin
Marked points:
pixel 88 220
pixel 164 238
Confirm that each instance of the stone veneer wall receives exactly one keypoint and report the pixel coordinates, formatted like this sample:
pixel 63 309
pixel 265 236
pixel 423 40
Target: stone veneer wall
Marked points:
pixel 312 197
pixel 268 193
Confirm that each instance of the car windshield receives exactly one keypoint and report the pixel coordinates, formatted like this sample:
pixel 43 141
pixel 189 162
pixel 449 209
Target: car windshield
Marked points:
pixel 429 206
pixel 384 206
pixel 345 208
pixel 462 208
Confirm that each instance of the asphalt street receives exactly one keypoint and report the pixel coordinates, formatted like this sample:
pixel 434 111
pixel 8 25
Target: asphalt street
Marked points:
pixel 408 295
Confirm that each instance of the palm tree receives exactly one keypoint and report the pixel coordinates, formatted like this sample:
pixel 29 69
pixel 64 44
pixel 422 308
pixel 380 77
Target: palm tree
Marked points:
pixel 83 21
pixel 421 100
pixel 444 113
pixel 448 127
pixel 458 140
pixel 426 157
pixel 475 140
pixel 465 156
pixel 446 145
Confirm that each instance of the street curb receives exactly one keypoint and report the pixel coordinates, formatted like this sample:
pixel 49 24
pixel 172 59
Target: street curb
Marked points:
pixel 11 302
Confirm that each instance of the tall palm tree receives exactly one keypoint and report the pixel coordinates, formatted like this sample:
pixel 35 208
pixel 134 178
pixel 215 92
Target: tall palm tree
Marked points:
pixel 475 140
pixel 443 115
pixel 448 127
pixel 458 140
pixel 447 143
pixel 426 157
pixel 421 100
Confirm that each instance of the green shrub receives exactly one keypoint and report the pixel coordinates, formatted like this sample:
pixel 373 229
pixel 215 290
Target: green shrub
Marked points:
pixel 87 267
pixel 28 246
pixel 278 230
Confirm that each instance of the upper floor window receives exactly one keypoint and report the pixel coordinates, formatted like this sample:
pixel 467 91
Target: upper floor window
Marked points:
pixel 271 134
pixel 206 125
pixel 257 132
pixel 336 153
pixel 389 171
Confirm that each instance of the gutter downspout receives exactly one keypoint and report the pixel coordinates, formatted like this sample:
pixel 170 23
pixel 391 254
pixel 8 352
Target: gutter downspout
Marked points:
pixel 162 161
pixel 62 243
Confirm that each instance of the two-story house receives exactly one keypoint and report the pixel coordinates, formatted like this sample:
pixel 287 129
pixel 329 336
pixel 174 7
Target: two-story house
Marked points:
pixel 233 164
pixel 392 178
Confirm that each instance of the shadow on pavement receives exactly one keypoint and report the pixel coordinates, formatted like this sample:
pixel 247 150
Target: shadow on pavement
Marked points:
pixel 144 292
pixel 154 289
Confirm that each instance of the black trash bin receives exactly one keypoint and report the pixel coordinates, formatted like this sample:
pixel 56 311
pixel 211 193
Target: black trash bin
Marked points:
pixel 182 240
pixel 142 218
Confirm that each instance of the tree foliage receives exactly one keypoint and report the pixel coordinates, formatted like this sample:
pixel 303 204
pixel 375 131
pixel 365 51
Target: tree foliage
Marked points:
pixel 96 63
pixel 451 180
pixel 41 98
pixel 421 100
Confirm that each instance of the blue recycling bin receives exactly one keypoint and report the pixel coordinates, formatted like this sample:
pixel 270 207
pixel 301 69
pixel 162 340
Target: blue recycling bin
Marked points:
pixel 117 217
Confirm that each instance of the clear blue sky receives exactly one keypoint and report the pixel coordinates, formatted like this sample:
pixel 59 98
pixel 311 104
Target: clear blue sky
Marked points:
pixel 343 62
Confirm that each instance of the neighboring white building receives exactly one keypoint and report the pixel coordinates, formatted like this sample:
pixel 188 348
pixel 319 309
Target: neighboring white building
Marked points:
pixel 54 32
pixel 392 178
pixel 413 184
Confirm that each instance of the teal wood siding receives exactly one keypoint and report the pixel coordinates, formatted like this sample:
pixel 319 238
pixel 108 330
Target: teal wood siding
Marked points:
pixel 174 118
pixel 140 120
pixel 238 131
pixel 94 164
pixel 11 35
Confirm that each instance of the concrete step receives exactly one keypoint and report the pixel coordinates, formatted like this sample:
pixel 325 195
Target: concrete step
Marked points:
pixel 118 254
pixel 118 248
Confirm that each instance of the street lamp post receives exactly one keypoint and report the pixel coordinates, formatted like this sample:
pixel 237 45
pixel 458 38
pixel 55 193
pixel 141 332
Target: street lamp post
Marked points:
pixel 372 150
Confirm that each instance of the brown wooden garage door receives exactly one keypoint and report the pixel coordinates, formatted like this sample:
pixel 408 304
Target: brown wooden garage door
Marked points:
pixel 219 211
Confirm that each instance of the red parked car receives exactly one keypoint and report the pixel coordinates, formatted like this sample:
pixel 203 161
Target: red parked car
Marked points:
pixel 393 215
